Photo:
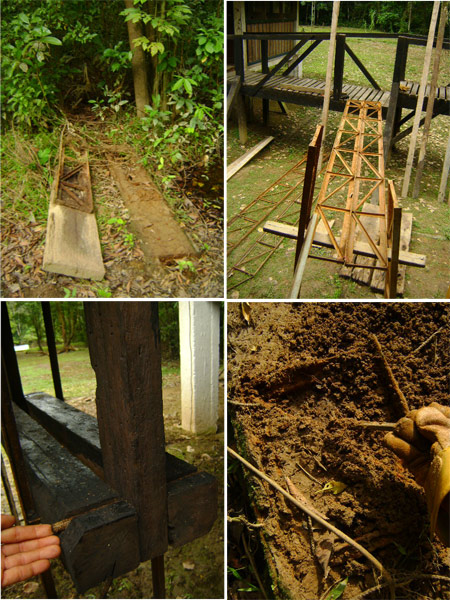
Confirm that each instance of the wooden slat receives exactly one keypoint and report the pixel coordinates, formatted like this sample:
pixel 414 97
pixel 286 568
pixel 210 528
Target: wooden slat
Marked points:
pixel 405 258
pixel 245 158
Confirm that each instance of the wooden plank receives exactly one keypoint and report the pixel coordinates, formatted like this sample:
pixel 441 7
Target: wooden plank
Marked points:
pixel 430 101
pixel 304 253
pixel 420 99
pixel 125 354
pixel 245 158
pixel 329 75
pixel 393 270
pixel 406 258
pixel 308 188
pixel 72 245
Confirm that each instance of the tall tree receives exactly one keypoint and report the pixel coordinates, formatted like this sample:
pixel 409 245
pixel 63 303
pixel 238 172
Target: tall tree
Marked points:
pixel 138 62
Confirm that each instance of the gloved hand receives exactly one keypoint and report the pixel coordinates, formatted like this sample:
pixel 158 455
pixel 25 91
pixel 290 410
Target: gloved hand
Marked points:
pixel 422 441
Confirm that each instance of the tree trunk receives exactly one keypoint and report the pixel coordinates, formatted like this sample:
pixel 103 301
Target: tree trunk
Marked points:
pixel 138 64
pixel 152 36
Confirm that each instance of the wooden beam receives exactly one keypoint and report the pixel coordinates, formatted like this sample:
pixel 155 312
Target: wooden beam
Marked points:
pixel 102 540
pixel 304 253
pixel 445 173
pixel 362 68
pixel 125 354
pixel 392 113
pixel 241 119
pixel 420 99
pixel 245 158
pixel 430 100
pixel 51 347
pixel 326 100
pixel 391 283
pixel 232 94
pixel 308 189
pixel 339 60
pixel 405 258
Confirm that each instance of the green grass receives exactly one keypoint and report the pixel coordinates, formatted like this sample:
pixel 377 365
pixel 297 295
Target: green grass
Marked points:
pixel 77 375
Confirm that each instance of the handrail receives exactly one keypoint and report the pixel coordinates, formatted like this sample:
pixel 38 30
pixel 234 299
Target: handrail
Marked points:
pixel 415 40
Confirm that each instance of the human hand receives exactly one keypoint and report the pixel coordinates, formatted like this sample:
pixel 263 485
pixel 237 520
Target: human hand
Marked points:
pixel 422 441
pixel 26 550
pixel 419 437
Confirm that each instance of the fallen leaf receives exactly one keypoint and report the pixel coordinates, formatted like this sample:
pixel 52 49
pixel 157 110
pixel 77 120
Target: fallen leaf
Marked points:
pixel 338 590
pixel 336 487
pixel 190 449
pixel 188 565
pixel 324 549
pixel 206 456
pixel 31 587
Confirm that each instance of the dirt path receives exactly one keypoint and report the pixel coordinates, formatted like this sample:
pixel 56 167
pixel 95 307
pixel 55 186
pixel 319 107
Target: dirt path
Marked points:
pixel 308 371
pixel 195 198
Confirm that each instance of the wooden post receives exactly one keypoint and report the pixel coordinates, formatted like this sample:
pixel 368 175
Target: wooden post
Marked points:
pixel 308 188
pixel 125 353
pixel 326 99
pixel 301 263
pixel 51 346
pixel 445 172
pixel 420 99
pixel 431 98
pixel 242 119
pixel 394 112
pixel 339 66
pixel 265 70
pixel 393 270
pixel 239 56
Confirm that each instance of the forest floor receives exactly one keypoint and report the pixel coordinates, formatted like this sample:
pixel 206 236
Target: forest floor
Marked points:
pixel 308 372
pixel 293 132
pixel 195 197
pixel 192 571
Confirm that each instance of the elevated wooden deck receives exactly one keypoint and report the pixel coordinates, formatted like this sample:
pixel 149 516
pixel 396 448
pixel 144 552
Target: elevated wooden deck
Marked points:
pixel 310 92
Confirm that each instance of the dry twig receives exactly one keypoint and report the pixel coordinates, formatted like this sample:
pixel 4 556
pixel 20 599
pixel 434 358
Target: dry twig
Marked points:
pixel 254 569
pixel 401 396
pixel 425 342
pixel 314 515
pixel 236 403
pixel 401 582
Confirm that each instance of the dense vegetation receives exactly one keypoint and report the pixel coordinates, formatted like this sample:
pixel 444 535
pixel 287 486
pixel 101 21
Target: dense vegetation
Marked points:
pixel 391 17
pixel 27 326
pixel 63 55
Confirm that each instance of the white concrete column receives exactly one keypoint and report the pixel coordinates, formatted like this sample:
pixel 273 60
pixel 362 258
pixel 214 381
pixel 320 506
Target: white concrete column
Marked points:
pixel 199 364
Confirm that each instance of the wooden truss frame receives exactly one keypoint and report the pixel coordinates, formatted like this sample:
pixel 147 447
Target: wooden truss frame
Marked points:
pixel 356 169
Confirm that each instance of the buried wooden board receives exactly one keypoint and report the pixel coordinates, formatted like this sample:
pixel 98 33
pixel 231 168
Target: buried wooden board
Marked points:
pixel 72 245
pixel 151 218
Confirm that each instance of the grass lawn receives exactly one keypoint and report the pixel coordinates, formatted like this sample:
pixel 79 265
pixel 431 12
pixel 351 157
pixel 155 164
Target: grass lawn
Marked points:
pixel 77 375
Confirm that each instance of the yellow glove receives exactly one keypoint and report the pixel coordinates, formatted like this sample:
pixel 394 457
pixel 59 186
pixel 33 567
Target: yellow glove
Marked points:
pixel 422 441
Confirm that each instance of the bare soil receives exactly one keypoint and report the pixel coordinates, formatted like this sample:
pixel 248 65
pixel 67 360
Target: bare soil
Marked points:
pixel 309 372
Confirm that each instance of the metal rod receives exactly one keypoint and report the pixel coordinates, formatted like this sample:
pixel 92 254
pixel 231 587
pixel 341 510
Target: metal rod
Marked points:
pixel 51 345
pixel 158 577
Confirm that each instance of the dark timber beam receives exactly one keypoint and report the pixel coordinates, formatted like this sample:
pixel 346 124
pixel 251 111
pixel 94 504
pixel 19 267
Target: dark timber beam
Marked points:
pixel 125 352
pixel 102 539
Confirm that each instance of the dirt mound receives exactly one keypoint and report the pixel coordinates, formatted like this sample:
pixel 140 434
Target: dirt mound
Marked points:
pixel 309 372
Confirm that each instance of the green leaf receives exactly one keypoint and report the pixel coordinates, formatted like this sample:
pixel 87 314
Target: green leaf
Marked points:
pixel 187 86
pixel 44 155
pixel 338 590
pixel 51 40
pixel 177 85
pixel 24 67
pixel 210 47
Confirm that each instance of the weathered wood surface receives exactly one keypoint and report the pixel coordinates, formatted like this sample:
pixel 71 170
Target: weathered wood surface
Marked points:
pixel 161 235
pixel 125 353
pixel 78 432
pixel 186 488
pixel 62 486
pixel 405 258
pixel 72 245
pixel 100 544
pixel 244 159
pixel 192 507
